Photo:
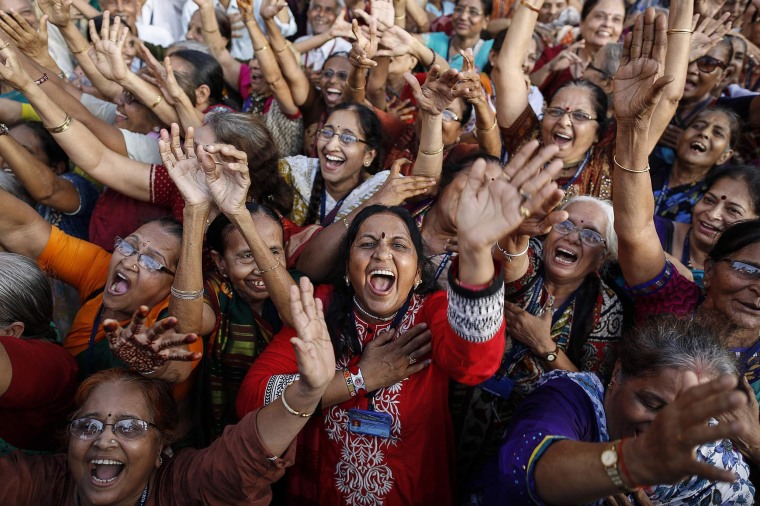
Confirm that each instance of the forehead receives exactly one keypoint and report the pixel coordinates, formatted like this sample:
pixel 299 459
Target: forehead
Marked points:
pixel 338 63
pixel 269 231
pixel 590 214
pixel 735 192
pixel 720 51
pixel 204 135
pixel 477 4
pixel 574 98
pixel 344 120
pixel 384 223
pixel 116 398
pixel 615 7
pixel 717 118
pixel 158 239
pixel 18 5
pixel 325 3
pixel 666 383
pixel 180 64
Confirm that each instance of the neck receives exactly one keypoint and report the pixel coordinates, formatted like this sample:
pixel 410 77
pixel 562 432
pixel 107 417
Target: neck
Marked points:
pixel 562 290
pixel 395 82
pixel 685 173
pixel 114 315
pixel 369 315
pixel 587 53
pixel 739 337
pixel 460 42
pixel 687 104
pixel 340 189
pixel 697 252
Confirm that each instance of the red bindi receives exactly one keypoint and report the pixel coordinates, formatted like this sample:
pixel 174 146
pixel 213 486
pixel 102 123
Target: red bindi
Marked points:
pixel 723 197
pixel 383 236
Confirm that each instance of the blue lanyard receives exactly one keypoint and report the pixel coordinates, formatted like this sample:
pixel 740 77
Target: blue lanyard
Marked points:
pixel 578 172
pixel 442 265
pixel 326 220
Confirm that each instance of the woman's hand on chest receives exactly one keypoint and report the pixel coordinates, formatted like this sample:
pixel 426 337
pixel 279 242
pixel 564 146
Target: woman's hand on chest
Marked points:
pixel 387 359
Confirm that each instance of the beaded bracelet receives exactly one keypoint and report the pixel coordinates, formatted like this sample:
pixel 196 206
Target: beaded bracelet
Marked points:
pixel 41 79
pixel 349 383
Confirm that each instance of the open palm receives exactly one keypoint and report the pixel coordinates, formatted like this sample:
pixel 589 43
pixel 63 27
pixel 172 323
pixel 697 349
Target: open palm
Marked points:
pixel 183 166
pixel 438 92
pixel 228 179
pixel 313 348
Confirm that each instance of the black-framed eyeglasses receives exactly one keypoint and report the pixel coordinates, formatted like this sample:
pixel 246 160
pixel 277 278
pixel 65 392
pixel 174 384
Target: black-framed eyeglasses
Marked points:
pixel 147 262
pixel 708 64
pixel 589 237
pixel 743 269
pixel 342 74
pixel 345 138
pixel 605 75
pixel 472 12
pixel 128 429
pixel 575 116
pixel 448 115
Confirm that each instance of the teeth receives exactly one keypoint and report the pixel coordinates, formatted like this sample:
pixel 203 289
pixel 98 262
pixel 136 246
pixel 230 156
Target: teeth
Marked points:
pixel 334 90
pixel 107 462
pixel 335 159
pixel 563 136
pixel 382 273
pixel 122 276
pixel 120 115
pixel 698 146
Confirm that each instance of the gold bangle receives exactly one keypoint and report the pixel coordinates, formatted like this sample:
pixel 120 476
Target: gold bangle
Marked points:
pixel 357 88
pixel 486 130
pixel 278 51
pixel 432 153
pixel 62 127
pixel 80 51
pixel 529 6
pixel 210 31
pixel 259 272
pixel 292 411
pixel 156 102
pixel 671 31
pixel 262 48
pixel 614 159
pixel 400 17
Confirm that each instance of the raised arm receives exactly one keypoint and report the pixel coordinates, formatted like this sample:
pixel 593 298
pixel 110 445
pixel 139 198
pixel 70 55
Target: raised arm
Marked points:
pixel 181 108
pixel 638 87
pixel 489 137
pixel 22 229
pixel 508 72
pixel 33 43
pixel 214 40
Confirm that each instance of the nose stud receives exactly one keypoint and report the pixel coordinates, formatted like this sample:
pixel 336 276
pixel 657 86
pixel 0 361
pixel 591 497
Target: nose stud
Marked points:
pixel 113 441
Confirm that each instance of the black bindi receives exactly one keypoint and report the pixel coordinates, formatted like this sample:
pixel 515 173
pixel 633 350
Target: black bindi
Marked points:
pixel 723 197
pixel 383 235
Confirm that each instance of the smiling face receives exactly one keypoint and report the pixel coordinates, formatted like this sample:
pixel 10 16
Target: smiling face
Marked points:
pixel 22 7
pixel 706 141
pixel 550 10
pixel 633 403
pixel 699 83
pixel 469 19
pixel 259 85
pixel 724 203
pixel 321 15
pixel 342 164
pixel 132 115
pixel 730 293
pixel 109 469
pixel 334 81
pixel 238 264
pixel 603 24
pixel 126 9
pixel 383 264
pixel 130 285
pixel 566 258
pixel 573 138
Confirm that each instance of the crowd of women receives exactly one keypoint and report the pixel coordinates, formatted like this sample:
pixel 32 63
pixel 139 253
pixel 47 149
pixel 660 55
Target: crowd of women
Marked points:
pixel 394 252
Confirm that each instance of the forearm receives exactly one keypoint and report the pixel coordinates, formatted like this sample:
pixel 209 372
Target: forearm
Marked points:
pixel 22 229
pixel 277 427
pixel 418 15
pixel 429 57
pixel 430 153
pixel 298 82
pixel 540 76
pixel 486 129
pixel 152 98
pixel 378 76
pixel 475 262
pixel 187 115
pixel 79 47
pixel 213 39
pixel 632 192
pixel 87 10
pixel 270 68
pixel 357 84
pixel 10 112
pixel 313 42
pixel 561 363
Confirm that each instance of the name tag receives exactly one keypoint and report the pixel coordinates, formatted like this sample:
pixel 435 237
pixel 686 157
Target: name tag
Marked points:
pixel 369 423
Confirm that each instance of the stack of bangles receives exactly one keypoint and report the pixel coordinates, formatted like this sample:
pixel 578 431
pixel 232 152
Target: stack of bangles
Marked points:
pixel 60 128
pixel 187 294
pixel 673 31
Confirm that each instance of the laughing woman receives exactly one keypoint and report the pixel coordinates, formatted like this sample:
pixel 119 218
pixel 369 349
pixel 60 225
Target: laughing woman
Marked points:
pixel 373 435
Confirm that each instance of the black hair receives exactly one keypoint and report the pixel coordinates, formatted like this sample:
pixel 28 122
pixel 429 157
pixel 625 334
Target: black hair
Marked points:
pixel 588 6
pixel 748 174
pixel 339 315
pixel 98 20
pixel 453 167
pixel 487 6
pixel 52 149
pixel 736 237
pixel 735 123
pixel 466 111
pixel 599 101
pixel 220 228
pixel 373 137
pixel 225 27
pixel 206 70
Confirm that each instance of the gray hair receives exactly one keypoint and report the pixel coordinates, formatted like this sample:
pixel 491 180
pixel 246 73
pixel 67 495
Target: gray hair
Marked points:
pixel 193 45
pixel 669 342
pixel 25 296
pixel 613 53
pixel 9 183
pixel 339 5
pixel 605 206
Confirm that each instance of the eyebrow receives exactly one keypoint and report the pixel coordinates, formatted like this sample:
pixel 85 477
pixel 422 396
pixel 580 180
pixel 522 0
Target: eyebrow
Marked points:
pixel 344 131
pixel 149 249
pixel 117 416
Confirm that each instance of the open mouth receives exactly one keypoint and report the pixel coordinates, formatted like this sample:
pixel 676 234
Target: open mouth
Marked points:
pixel 333 94
pixel 381 281
pixel 105 471
pixel 753 307
pixel 708 229
pixel 698 147
pixel 565 256
pixel 603 33
pixel 333 162
pixel 119 284
pixel 562 139
pixel 256 284
pixel 121 116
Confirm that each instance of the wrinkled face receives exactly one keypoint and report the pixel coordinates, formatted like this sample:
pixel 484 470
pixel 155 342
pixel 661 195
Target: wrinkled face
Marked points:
pixel 550 10
pixel 110 469
pixel 321 15
pixel 133 115
pixel 22 7
pixel 341 164
pixel 334 81
pixel 706 141
pixel 733 294
pixel 736 66
pixel 574 138
pixel 238 262
pixel 449 196
pixel 632 405
pixel 723 204
pixel 259 85
pixel 31 142
pixel 130 285
pixel 566 257
pixel 383 264
pixel 604 24
pixel 469 19
pixel 195 28
pixel 699 83
pixel 126 9
pixel 130 49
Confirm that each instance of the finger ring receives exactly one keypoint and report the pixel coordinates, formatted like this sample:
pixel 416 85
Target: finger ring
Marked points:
pixel 412 360
pixel 112 40
pixel 218 163
pixel 5 45
pixel 524 212
pixel 507 177
pixel 525 195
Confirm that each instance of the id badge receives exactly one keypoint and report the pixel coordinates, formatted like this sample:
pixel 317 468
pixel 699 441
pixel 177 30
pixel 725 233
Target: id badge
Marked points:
pixel 369 423
pixel 500 386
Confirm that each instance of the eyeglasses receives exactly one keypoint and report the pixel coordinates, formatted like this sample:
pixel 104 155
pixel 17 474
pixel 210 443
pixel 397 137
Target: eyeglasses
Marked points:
pixel 575 116
pixel 605 75
pixel 344 138
pixel 473 13
pixel 449 116
pixel 707 64
pixel 128 429
pixel 588 237
pixel 745 270
pixel 329 73
pixel 147 262
pixel 256 77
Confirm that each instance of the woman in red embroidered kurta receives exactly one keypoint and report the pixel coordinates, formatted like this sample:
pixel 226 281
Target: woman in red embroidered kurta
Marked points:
pixel 387 286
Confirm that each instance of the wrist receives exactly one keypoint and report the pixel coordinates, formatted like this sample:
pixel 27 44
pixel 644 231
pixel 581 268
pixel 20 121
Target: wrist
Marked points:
pixel 303 396
pixel 636 467
pixel 196 210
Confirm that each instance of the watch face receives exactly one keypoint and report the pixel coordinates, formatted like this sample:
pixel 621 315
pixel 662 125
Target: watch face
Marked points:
pixel 551 357
pixel 609 458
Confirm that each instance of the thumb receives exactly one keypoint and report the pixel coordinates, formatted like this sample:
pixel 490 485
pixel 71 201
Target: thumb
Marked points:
pixel 43 25
pixel 413 83
pixel 396 167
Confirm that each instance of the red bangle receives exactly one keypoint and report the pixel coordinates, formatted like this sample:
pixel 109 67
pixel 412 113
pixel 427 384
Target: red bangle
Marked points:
pixel 623 468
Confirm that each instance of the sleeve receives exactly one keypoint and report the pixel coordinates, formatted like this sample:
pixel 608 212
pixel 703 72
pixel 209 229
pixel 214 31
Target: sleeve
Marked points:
pixel 468 329
pixel 58 49
pixel 163 191
pixel 668 293
pixel 140 147
pixel 34 479
pixel 76 262
pixel 525 128
pixel 508 478
pixel 88 194
pixel 237 468
pixel 101 109
pixel 244 81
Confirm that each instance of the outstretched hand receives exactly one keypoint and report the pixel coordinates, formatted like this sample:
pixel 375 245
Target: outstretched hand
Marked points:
pixel 227 177
pixel 313 348
pixel 364 48
pixel 11 70
pixel 270 8
pixel 58 11
pixel 438 91
pixel 109 44
pixel 398 188
pixel 31 42
pixel 707 34
pixel 639 81
pixel 183 166
pixel 146 350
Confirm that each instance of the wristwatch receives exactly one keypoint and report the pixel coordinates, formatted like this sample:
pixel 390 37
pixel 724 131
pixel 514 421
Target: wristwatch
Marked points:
pixel 610 461
pixel 4 130
pixel 552 355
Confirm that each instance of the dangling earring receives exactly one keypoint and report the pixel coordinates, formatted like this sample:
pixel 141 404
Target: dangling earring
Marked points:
pixel 156 128
pixel 348 281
